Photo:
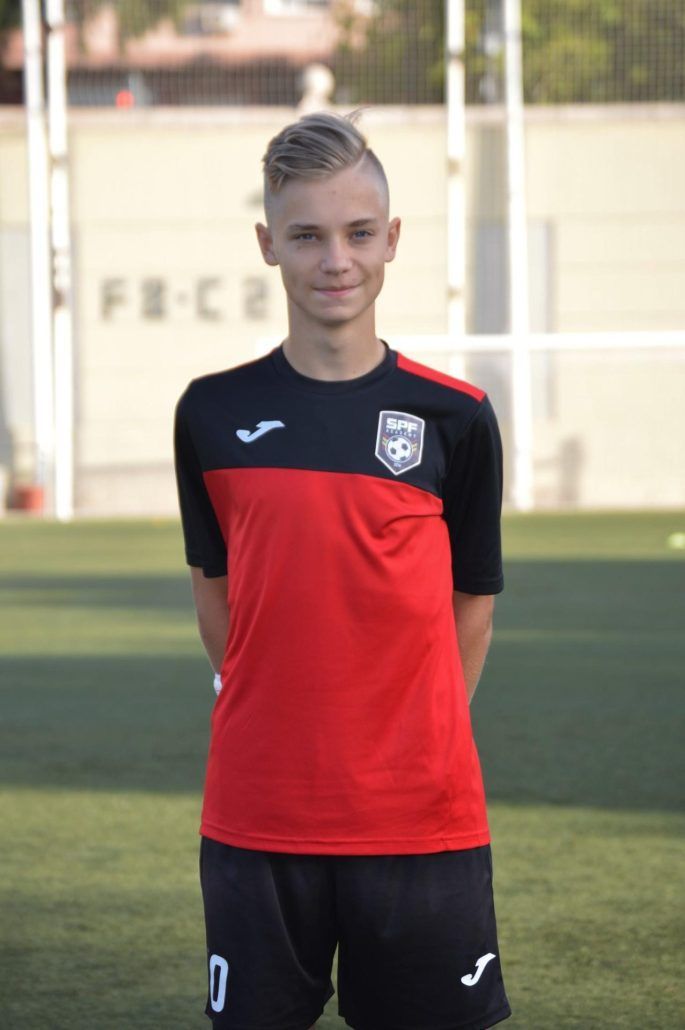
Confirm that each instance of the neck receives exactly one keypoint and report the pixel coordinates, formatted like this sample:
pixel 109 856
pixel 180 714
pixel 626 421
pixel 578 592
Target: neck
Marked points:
pixel 335 352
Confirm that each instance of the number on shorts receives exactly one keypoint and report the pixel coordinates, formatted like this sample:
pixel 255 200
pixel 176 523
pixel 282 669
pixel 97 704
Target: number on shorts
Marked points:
pixel 217 984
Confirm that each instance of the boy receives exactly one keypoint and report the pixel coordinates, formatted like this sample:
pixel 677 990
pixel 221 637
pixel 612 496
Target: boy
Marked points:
pixel 341 508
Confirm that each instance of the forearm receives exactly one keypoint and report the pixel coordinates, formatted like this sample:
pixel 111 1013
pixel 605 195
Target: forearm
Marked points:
pixel 473 622
pixel 213 617
pixel 213 634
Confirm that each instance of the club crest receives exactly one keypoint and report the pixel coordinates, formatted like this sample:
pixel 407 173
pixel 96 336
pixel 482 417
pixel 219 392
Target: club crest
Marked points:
pixel 399 443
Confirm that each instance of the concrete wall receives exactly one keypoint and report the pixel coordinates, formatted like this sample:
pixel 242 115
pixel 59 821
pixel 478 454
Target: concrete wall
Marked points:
pixel 169 282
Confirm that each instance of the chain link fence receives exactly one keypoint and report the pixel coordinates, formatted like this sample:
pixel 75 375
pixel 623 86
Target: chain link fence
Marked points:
pixel 254 52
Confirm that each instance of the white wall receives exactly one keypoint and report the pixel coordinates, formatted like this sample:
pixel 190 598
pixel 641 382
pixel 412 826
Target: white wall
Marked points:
pixel 169 282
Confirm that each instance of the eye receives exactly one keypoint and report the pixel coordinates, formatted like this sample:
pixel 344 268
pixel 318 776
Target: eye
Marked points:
pixel 361 233
pixel 306 236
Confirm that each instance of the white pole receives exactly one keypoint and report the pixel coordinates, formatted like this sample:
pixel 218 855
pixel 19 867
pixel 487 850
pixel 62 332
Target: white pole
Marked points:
pixel 456 145
pixel 519 319
pixel 61 247
pixel 41 286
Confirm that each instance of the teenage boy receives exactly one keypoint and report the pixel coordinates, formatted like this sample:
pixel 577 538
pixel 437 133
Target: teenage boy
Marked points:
pixel 341 510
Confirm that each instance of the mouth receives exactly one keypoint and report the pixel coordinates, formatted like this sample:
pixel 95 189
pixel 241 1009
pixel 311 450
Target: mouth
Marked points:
pixel 337 291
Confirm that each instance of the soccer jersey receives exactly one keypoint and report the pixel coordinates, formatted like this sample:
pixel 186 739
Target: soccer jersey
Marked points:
pixel 344 513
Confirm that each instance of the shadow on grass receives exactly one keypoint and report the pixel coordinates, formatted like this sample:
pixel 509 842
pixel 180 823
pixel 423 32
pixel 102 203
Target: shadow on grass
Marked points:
pixel 581 698
pixel 164 593
pixel 112 724
pixel 580 701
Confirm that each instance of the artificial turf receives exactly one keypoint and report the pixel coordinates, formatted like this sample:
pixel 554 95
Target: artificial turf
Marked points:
pixel 105 698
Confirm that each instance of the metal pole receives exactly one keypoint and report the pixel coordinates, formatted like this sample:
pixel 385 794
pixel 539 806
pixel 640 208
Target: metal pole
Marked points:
pixel 41 289
pixel 61 270
pixel 456 145
pixel 519 318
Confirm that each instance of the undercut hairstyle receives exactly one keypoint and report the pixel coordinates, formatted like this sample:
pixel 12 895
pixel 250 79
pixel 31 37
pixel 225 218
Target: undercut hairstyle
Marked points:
pixel 316 146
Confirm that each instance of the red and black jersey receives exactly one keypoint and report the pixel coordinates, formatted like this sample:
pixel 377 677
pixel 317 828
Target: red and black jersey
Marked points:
pixel 345 513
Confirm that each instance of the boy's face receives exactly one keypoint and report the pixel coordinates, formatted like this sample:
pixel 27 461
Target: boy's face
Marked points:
pixel 331 239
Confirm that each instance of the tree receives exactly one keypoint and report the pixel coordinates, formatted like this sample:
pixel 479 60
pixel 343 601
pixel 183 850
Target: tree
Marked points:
pixel 134 17
pixel 395 56
pixel 574 51
pixel 10 14
pixel 583 51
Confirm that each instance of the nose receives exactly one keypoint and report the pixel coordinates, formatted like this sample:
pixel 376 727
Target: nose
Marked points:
pixel 335 259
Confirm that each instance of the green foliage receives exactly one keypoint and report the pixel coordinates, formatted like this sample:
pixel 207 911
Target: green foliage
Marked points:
pixel 135 16
pixel 603 50
pixel 10 14
pixel 574 51
pixel 396 56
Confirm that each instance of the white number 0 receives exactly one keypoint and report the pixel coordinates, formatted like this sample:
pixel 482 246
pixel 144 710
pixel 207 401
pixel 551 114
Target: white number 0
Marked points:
pixel 217 985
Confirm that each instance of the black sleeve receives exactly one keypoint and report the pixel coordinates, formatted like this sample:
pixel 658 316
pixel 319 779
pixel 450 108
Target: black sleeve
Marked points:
pixel 472 497
pixel 204 542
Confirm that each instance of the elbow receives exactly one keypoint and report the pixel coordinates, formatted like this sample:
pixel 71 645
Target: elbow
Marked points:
pixel 473 614
pixel 478 608
pixel 483 626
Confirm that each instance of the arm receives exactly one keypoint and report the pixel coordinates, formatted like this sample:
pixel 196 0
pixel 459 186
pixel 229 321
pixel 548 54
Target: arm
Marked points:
pixel 211 606
pixel 473 621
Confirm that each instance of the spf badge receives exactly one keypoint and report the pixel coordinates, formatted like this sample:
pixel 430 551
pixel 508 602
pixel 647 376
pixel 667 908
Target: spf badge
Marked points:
pixel 399 443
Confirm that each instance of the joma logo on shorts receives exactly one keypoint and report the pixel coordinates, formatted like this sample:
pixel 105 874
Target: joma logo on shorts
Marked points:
pixel 472 978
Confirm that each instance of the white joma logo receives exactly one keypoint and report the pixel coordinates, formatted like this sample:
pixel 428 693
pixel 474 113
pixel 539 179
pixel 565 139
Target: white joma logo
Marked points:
pixel 262 427
pixel 472 978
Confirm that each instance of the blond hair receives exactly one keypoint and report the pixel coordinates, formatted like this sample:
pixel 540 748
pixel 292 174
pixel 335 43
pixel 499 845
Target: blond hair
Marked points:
pixel 315 146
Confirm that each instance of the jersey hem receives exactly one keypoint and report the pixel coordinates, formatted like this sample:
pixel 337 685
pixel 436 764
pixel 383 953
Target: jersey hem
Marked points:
pixel 383 846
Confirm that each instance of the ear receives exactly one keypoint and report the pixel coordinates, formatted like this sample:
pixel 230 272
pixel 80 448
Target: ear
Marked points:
pixel 393 236
pixel 266 243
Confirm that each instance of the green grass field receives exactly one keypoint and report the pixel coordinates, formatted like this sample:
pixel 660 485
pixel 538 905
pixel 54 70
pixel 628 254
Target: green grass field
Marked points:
pixel 106 696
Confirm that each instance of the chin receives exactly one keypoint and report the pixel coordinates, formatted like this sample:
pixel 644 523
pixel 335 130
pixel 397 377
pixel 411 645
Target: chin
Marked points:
pixel 332 322
pixel 338 316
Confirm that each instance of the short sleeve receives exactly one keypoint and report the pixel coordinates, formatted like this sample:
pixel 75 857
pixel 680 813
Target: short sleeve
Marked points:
pixel 472 499
pixel 204 542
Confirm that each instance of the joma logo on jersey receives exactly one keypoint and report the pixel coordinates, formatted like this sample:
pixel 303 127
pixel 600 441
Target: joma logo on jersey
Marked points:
pixel 399 441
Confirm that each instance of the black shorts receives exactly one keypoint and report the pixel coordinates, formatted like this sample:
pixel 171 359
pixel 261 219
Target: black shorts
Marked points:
pixel 416 933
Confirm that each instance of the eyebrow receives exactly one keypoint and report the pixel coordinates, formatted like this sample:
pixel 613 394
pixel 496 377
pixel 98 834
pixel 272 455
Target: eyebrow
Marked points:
pixel 356 224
